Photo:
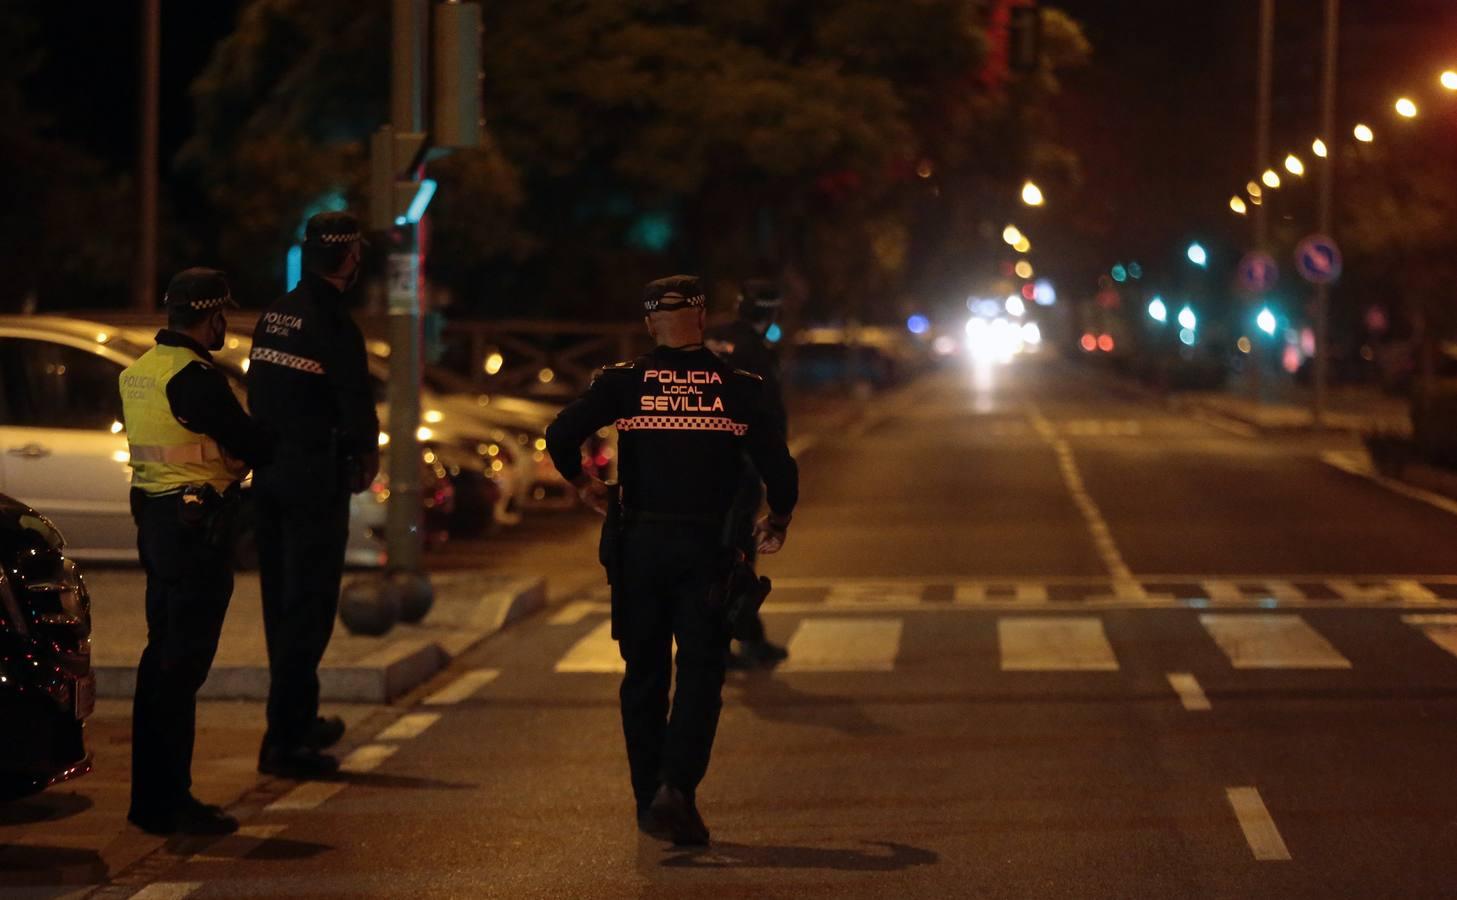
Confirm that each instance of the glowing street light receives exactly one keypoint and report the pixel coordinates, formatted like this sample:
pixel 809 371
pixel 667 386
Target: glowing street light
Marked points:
pixel 1187 320
pixel 1266 321
pixel 1406 108
pixel 1157 310
pixel 1449 80
pixel 1253 189
pixel 1023 269
pixel 1294 166
pixel 1197 254
pixel 1271 178
pixel 1318 148
pixel 1237 204
pixel 1031 194
pixel 1363 133
pixel 1023 245
pixel 1011 234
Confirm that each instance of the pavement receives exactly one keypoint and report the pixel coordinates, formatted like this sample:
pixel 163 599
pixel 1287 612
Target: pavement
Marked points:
pixel 1046 640
pixel 1286 407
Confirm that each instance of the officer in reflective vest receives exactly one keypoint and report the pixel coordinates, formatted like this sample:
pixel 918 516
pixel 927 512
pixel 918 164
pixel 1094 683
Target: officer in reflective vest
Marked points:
pixel 190 443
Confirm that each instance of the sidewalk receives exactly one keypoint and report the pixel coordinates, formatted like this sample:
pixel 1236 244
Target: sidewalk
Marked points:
pixel 469 607
pixel 1288 408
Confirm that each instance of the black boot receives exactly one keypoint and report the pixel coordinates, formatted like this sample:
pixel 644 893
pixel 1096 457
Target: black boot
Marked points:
pixel 676 813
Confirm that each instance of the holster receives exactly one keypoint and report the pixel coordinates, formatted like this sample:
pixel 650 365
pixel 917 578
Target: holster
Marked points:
pixel 609 549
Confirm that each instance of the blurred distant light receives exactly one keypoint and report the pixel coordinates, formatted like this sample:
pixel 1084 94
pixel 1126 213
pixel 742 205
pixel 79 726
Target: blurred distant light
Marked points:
pixel 918 324
pixel 1186 335
pixel 1023 269
pixel 1029 292
pixel 1157 310
pixel 1318 148
pixel 294 267
pixel 1031 194
pixel 494 362
pixel 1105 343
pixel 1307 341
pixel 546 376
pixel 1449 80
pixel 1364 134
pixel 1012 235
pixel 1044 293
pixel 924 169
pixel 1271 178
pixel 1119 273
pixel 1237 203
pixel 401 221
pixel 1290 360
pixel 423 195
pixel 773 333
pixel 1265 321
pixel 1135 270
pixel 1088 343
pixel 1015 306
pixel 1023 245
pixel 1031 334
pixel 987 308
pixel 1197 254
pixel 1253 189
pixel 423 434
pixel 1293 165
pixel 945 345
pixel 1243 344
pixel 1187 319
pixel 1406 108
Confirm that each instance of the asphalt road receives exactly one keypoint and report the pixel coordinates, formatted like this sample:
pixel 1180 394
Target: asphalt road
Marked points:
pixel 1047 640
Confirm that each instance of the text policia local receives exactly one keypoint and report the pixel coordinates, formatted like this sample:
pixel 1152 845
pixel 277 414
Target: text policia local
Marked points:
pixel 681 391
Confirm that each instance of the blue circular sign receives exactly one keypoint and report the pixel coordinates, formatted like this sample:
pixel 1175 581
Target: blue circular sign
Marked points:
pixel 1257 272
pixel 1318 259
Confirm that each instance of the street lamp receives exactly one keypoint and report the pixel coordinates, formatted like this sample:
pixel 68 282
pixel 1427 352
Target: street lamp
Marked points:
pixel 1271 178
pixel 1022 245
pixel 1237 204
pixel 1363 133
pixel 1197 254
pixel 1294 166
pixel 1266 321
pixel 1012 235
pixel 1449 80
pixel 1031 194
pixel 1157 310
pixel 1406 108
pixel 1187 320
pixel 1318 148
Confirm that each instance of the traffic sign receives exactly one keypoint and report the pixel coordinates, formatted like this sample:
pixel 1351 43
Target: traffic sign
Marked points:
pixel 1318 259
pixel 1257 272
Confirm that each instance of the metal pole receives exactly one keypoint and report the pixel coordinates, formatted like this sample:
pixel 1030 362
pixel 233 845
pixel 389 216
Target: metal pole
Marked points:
pixel 1262 159
pixel 144 280
pixel 1327 189
pixel 402 524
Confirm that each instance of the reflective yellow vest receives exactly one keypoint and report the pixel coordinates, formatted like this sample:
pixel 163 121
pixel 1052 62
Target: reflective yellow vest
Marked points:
pixel 165 456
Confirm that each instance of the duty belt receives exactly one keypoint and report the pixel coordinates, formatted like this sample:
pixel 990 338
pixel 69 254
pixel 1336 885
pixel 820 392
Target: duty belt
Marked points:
pixel 641 515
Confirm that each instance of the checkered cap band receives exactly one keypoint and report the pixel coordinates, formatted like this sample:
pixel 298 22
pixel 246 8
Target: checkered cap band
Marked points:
pixel 204 303
pixel 670 302
pixel 340 238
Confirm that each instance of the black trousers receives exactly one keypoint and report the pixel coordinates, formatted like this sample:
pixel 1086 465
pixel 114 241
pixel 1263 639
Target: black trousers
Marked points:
pixel 301 544
pixel 667 572
pixel 189 584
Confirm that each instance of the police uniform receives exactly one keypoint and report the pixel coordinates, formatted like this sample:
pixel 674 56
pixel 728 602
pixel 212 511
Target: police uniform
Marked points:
pixel 684 419
pixel 190 442
pixel 308 379
pixel 742 344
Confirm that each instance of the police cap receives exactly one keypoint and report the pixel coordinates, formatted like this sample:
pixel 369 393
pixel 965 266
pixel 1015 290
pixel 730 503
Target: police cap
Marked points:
pixel 673 293
pixel 332 229
pixel 759 299
pixel 199 289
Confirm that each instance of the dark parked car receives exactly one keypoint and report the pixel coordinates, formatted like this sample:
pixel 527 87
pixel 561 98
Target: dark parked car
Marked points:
pixel 47 688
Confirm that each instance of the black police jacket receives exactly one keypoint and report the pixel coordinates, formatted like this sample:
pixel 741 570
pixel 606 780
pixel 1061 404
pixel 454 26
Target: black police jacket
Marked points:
pixel 684 420
pixel 308 380
pixel 203 401
pixel 743 347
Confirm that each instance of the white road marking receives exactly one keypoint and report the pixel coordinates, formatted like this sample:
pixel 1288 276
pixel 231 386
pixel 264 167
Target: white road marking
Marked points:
pixel 1399 591
pixel 462 688
pixel 1363 469
pixel 167 890
pixel 309 795
pixel 832 644
pixel 1054 644
pixel 597 652
pixel 239 844
pixel 1189 691
pixel 366 758
pixel 857 593
pixel 572 613
pixel 1270 641
pixel 1440 629
pixel 976 593
pixel 1232 426
pixel 408 726
pixel 1230 593
pixel 1254 820
pixel 1098 529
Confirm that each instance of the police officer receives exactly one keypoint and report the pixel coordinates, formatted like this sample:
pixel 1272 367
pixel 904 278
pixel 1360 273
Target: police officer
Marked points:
pixel 684 418
pixel 190 443
pixel 744 344
pixel 309 380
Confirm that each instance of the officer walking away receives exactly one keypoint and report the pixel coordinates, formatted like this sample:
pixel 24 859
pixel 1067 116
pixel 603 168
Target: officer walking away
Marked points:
pixel 744 344
pixel 309 381
pixel 685 419
pixel 190 443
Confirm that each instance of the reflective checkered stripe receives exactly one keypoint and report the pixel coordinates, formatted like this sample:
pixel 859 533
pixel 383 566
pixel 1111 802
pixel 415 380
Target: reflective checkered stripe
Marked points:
pixel 279 358
pixel 682 423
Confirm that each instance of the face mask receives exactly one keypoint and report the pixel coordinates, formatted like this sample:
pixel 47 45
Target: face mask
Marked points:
pixel 219 336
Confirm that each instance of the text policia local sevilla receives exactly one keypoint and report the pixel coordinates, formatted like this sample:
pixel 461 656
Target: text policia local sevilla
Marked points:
pixel 681 391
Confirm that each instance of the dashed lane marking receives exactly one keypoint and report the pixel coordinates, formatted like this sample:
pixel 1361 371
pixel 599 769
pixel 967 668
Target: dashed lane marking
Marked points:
pixel 366 758
pixel 597 652
pixel 1191 695
pixel 1259 828
pixel 408 726
pixel 1441 629
pixel 1054 644
pixel 1271 641
pixel 979 593
pixel 167 890
pixel 309 795
pixel 239 844
pixel 875 592
pixel 463 688
pixel 844 645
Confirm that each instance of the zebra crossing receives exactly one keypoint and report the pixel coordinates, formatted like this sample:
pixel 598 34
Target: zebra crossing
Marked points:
pixel 866 639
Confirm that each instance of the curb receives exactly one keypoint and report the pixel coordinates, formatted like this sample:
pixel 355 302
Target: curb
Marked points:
pixel 408 657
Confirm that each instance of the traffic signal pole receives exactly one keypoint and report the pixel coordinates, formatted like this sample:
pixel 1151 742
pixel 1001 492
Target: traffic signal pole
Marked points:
pixel 1324 211
pixel 1262 160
